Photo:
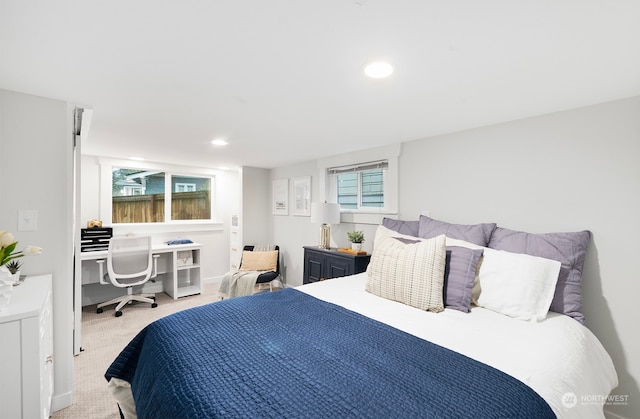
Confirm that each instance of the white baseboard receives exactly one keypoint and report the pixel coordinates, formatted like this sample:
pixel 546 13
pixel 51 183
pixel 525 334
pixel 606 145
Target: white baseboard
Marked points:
pixel 212 280
pixel 60 401
pixel 95 293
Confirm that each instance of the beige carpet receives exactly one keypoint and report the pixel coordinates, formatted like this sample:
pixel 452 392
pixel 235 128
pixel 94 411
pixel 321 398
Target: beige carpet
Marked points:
pixel 103 337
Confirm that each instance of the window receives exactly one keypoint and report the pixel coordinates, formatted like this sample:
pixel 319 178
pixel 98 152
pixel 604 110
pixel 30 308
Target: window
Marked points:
pixel 132 190
pixel 370 192
pixel 361 186
pixel 184 187
pixel 144 196
pixel 191 199
pixel 137 196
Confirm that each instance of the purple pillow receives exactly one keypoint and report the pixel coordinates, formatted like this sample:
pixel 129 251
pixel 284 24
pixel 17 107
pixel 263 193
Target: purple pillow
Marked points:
pixel 474 233
pixel 459 275
pixel 410 228
pixel 570 249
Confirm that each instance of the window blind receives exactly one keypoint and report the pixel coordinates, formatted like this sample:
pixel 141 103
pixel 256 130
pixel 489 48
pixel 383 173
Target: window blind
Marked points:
pixel 381 164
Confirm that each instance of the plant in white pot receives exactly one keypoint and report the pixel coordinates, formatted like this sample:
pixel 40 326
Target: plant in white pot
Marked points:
pixel 356 238
pixel 14 267
pixel 9 266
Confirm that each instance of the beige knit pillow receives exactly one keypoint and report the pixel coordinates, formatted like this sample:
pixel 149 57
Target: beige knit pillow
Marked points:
pixel 411 274
pixel 259 261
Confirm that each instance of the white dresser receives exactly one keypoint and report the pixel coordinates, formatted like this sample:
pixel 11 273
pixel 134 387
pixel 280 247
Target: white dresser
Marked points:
pixel 26 351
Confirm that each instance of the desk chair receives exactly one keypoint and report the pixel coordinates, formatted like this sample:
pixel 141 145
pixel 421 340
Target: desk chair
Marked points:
pixel 129 263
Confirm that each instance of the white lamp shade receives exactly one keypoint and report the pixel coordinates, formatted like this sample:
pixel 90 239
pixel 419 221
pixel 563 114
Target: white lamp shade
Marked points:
pixel 325 213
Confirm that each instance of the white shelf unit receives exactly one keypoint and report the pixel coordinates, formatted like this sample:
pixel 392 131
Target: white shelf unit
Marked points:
pixel 235 244
pixel 184 276
pixel 26 353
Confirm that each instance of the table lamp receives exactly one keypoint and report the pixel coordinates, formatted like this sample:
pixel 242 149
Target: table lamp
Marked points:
pixel 326 214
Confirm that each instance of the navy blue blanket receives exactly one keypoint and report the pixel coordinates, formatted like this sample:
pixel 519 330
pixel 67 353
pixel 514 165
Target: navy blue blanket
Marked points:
pixel 287 354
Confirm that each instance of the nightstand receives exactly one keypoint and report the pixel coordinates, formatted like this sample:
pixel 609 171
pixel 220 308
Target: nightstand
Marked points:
pixel 321 264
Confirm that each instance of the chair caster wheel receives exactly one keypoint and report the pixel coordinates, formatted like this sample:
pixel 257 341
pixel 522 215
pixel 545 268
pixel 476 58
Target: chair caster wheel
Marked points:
pixel 99 310
pixel 118 313
pixel 154 305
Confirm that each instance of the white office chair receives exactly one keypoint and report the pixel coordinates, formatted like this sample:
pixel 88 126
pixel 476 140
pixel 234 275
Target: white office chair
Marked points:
pixel 129 263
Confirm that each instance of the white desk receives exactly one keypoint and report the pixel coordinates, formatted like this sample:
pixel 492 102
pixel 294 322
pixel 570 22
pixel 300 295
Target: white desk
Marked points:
pixel 178 279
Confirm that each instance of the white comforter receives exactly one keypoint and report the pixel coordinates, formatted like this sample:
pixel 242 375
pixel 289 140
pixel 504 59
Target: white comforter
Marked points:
pixel 559 358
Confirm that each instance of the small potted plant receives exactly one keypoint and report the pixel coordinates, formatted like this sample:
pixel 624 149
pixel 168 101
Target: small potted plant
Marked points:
pixel 356 238
pixel 9 266
pixel 14 267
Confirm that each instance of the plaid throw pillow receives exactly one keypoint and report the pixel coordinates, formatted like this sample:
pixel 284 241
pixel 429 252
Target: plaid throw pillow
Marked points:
pixel 410 273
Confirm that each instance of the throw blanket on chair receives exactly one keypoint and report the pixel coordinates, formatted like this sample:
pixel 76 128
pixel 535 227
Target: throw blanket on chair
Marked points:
pixel 240 283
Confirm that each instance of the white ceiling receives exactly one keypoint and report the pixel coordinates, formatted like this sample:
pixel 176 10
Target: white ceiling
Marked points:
pixel 282 80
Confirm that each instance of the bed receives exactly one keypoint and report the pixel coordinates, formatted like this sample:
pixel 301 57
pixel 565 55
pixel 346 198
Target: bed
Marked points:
pixel 337 348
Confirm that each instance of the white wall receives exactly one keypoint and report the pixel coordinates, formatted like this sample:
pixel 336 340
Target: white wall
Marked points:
pixel 566 171
pixel 36 174
pixel 255 199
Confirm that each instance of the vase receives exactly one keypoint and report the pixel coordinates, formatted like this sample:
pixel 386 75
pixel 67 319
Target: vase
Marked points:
pixel 6 287
pixel 356 246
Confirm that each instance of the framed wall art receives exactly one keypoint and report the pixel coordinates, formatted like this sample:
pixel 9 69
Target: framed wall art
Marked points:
pixel 280 196
pixel 302 193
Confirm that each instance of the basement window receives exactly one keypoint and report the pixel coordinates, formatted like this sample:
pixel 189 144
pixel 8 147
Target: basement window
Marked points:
pixel 359 187
pixel 156 196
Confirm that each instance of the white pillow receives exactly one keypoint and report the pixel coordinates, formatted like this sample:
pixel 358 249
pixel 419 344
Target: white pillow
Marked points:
pixel 517 285
pixel 412 274
pixel 383 232
pixel 462 243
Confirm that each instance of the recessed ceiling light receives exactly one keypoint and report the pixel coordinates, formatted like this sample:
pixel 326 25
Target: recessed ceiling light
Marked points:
pixel 219 142
pixel 136 158
pixel 378 69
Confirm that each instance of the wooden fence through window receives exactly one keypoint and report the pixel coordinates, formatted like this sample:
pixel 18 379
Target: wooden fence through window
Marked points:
pixel 150 208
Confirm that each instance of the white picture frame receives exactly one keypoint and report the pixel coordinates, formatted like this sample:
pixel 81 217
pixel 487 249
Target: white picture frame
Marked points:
pixel 302 196
pixel 280 197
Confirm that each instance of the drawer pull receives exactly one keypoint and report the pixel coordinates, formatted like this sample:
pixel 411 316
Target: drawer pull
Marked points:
pixel 49 359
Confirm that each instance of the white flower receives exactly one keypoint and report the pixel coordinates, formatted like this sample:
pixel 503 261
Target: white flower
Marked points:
pixel 6 239
pixel 8 245
pixel 32 250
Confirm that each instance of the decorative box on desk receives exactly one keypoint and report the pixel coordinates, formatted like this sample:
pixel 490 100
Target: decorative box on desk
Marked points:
pixel 321 264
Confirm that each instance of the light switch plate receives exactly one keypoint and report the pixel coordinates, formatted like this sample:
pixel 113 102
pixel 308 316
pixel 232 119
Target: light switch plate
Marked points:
pixel 27 220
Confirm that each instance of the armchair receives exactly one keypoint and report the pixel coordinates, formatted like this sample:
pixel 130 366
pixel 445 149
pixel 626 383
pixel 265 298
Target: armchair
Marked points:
pixel 269 276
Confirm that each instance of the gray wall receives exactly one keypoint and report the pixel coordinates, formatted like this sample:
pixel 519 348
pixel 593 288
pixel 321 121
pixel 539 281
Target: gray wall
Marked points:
pixel 565 171
pixel 36 174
